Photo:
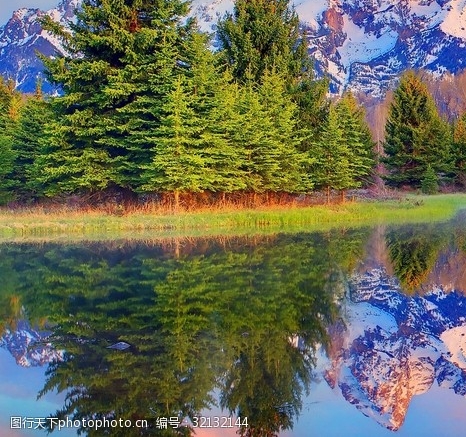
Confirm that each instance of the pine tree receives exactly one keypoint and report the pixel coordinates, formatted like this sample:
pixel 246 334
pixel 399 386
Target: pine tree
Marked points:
pixel 27 141
pixel 123 59
pixel 459 152
pixel 208 115
pixel 332 166
pixel 179 165
pixel 262 35
pixel 415 135
pixel 310 95
pixel 10 105
pixel 358 138
pixel 429 182
pixel 286 137
pixel 215 104
pixel 223 120
pixel 265 132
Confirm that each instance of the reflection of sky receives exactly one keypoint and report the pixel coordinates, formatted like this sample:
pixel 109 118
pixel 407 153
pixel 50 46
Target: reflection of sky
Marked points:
pixel 439 412
pixel 18 392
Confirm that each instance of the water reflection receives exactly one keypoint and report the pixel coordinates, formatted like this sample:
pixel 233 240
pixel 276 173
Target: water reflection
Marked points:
pixel 242 320
pixel 238 324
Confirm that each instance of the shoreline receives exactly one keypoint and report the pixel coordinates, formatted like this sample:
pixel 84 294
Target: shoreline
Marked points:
pixel 100 224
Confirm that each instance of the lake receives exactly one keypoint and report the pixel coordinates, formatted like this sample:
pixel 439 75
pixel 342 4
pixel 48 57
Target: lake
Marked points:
pixel 351 332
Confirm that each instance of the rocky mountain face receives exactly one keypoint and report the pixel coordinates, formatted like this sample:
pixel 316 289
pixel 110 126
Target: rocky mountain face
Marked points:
pixel 391 347
pixel 362 44
pixel 22 37
pixel 29 346
pixel 366 44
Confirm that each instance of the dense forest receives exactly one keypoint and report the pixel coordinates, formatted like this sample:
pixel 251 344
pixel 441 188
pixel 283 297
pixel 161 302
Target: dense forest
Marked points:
pixel 149 109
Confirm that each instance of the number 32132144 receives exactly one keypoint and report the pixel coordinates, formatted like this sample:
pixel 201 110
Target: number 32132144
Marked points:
pixel 219 422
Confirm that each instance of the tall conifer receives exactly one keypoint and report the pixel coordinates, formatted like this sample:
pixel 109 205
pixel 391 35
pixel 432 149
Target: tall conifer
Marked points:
pixel 357 136
pixel 28 138
pixel 261 35
pixel 415 135
pixel 121 58
pixel 459 151
pixel 332 158
pixel 10 106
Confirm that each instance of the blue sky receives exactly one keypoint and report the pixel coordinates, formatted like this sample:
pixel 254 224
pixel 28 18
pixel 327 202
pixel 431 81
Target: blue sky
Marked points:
pixel 7 7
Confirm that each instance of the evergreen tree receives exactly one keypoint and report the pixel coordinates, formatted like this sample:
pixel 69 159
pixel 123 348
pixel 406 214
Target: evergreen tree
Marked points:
pixel 27 140
pixel 429 182
pixel 179 164
pixel 267 136
pixel 204 105
pixel 223 120
pixel 282 112
pixel 459 152
pixel 123 59
pixel 10 104
pixel 332 168
pixel 415 135
pixel 261 35
pixel 311 97
pixel 264 36
pixel 215 101
pixel 358 138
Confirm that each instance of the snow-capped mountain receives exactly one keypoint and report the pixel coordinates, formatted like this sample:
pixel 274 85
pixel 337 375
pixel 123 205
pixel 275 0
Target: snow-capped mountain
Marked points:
pixel 362 44
pixel 391 347
pixel 22 37
pixel 29 346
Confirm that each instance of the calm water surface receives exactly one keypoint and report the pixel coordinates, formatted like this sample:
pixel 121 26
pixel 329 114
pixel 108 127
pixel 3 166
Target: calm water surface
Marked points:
pixel 344 333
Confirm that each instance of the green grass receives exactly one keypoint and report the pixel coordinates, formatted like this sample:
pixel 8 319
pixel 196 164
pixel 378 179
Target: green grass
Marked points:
pixel 37 224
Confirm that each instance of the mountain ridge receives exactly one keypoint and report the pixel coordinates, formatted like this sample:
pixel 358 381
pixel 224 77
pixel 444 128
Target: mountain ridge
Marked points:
pixel 362 45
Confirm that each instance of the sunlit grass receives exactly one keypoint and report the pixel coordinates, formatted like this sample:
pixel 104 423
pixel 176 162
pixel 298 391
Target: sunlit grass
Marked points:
pixel 101 224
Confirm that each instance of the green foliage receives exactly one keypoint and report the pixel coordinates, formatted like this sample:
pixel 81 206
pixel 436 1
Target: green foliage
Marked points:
pixel 262 35
pixel 179 164
pixel 415 136
pixel 262 39
pixel 413 253
pixel 459 152
pixel 192 148
pixel 210 318
pixel 429 183
pixel 357 136
pixel 10 104
pixel 122 58
pixel 269 137
pixel 28 138
pixel 310 95
pixel 332 167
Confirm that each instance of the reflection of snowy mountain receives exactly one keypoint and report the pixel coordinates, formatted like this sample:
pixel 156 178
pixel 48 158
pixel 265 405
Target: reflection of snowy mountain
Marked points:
pixel 395 346
pixel 29 346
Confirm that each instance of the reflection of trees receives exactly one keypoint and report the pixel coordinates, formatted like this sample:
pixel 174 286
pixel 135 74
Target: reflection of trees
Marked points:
pixel 413 252
pixel 288 292
pixel 223 320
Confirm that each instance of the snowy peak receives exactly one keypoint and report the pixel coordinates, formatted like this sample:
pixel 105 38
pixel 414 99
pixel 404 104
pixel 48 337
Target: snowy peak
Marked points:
pixel 21 26
pixel 395 347
pixel 29 346
pixel 22 37
pixel 362 44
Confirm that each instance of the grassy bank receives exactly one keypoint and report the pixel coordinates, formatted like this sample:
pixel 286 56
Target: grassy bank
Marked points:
pixel 142 223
